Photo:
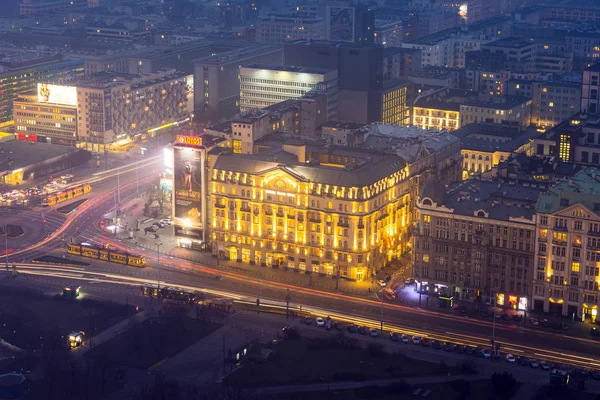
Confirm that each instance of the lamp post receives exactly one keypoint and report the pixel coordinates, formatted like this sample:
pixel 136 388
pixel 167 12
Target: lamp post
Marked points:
pixel 6 245
pixel 381 316
pixel 158 264
pixel 258 298
pixel 287 304
pixel 493 328
pixel 337 278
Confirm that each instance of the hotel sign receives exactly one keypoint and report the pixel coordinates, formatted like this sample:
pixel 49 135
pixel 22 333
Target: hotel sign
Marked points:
pixel 55 94
pixel 193 141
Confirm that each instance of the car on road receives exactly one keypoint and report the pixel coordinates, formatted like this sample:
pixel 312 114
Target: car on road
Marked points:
pixel 373 332
pixel 448 347
pixel 534 321
pixel 416 340
pixel 320 322
pixel 352 328
pixel 533 363
pixel 544 365
pixel 425 342
pixel 382 283
pixel 595 374
pixel 436 344
pixel 485 353
pixel 594 331
pixel 459 349
pixel 394 337
pixel 166 221
pixel 151 228
pixel 409 281
pixel 469 350
pixel 308 320
pixel 510 359
pixel 405 338
pixel 363 330
pixel 159 224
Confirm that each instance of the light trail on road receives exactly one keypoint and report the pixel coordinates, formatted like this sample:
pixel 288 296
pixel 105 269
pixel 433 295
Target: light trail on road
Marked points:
pixel 446 336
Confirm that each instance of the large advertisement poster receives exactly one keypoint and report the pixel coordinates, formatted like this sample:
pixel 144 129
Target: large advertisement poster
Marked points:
pixel 340 24
pixel 187 186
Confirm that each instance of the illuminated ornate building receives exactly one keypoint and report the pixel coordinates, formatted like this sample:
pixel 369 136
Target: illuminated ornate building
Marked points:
pixel 343 210
pixel 475 241
pixel 568 247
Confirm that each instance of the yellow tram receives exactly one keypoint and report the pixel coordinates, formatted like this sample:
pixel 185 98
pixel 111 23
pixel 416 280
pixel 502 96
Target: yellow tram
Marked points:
pixel 106 255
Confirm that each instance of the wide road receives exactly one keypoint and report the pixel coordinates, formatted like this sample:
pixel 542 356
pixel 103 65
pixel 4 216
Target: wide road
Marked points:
pixel 539 343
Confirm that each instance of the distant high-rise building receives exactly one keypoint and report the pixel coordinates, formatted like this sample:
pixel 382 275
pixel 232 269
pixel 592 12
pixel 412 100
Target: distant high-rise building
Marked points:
pixel 284 28
pixel 21 72
pixel 349 23
pixel 28 7
pixel 590 89
pixel 263 85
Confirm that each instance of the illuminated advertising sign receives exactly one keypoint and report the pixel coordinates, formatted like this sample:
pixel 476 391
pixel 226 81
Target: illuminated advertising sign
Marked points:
pixel 340 24
pixel 56 94
pixel 195 141
pixel 187 191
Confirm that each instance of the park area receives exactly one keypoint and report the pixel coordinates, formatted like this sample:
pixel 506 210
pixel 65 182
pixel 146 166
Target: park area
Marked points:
pixel 30 320
pixel 338 358
pixel 153 340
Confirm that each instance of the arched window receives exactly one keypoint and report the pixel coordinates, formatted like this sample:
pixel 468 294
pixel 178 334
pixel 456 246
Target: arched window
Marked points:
pixel 427 202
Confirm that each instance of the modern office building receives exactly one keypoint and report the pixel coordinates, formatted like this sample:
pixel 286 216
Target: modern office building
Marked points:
pixel 216 80
pixel 263 85
pixel 566 254
pixel 400 63
pixel 112 109
pixel 277 29
pixel 475 241
pixel 552 101
pixel 21 72
pixel 590 89
pixel 575 140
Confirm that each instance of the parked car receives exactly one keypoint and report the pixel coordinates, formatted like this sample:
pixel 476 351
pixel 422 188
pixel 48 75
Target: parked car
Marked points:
pixel 409 281
pixel 373 332
pixel 534 321
pixel 468 350
pixel 436 344
pixel 394 337
pixel 352 328
pixel 425 342
pixel 416 340
pixel 505 317
pixel 449 347
pixel 516 318
pixel 510 359
pixel 486 353
pixel 363 330
pixel 166 221
pixel 544 365
pixel 151 228
pixel 594 331
pixel 320 322
pixel 405 338
pixel 339 325
pixel 524 361
pixel 533 363
pixel 595 374
pixel 308 320
pixel 459 349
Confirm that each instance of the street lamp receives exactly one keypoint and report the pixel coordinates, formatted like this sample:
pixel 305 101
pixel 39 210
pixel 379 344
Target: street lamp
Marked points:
pixel 287 304
pixel 158 263
pixel 6 245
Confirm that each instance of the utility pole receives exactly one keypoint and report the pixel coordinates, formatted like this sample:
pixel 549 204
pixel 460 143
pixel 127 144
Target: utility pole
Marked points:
pixel 337 278
pixel 493 329
pixel 6 245
pixel 119 185
pixel 287 304
pixel 258 298
pixel 310 278
pixel 158 264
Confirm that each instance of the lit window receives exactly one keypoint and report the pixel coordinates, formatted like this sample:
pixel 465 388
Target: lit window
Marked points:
pixel 575 267
pixel 426 258
pixel 544 90
pixel 551 104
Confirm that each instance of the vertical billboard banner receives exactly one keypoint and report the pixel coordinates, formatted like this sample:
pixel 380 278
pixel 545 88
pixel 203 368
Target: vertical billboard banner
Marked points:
pixel 340 23
pixel 187 186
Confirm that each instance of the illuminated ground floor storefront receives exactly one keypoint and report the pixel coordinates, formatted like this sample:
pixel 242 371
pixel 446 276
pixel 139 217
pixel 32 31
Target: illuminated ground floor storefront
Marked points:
pixel 565 308
pixel 348 268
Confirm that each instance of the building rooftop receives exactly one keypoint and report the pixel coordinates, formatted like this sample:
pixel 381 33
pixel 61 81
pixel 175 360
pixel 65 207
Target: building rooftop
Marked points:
pixel 368 167
pixel 512 41
pixel 16 154
pixel 391 51
pixel 342 125
pixel 234 55
pixel 583 188
pixel 493 200
pixel 292 68
pixel 494 137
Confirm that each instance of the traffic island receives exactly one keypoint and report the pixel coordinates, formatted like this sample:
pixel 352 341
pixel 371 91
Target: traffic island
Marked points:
pixel 47 259
pixel 12 231
pixel 71 207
